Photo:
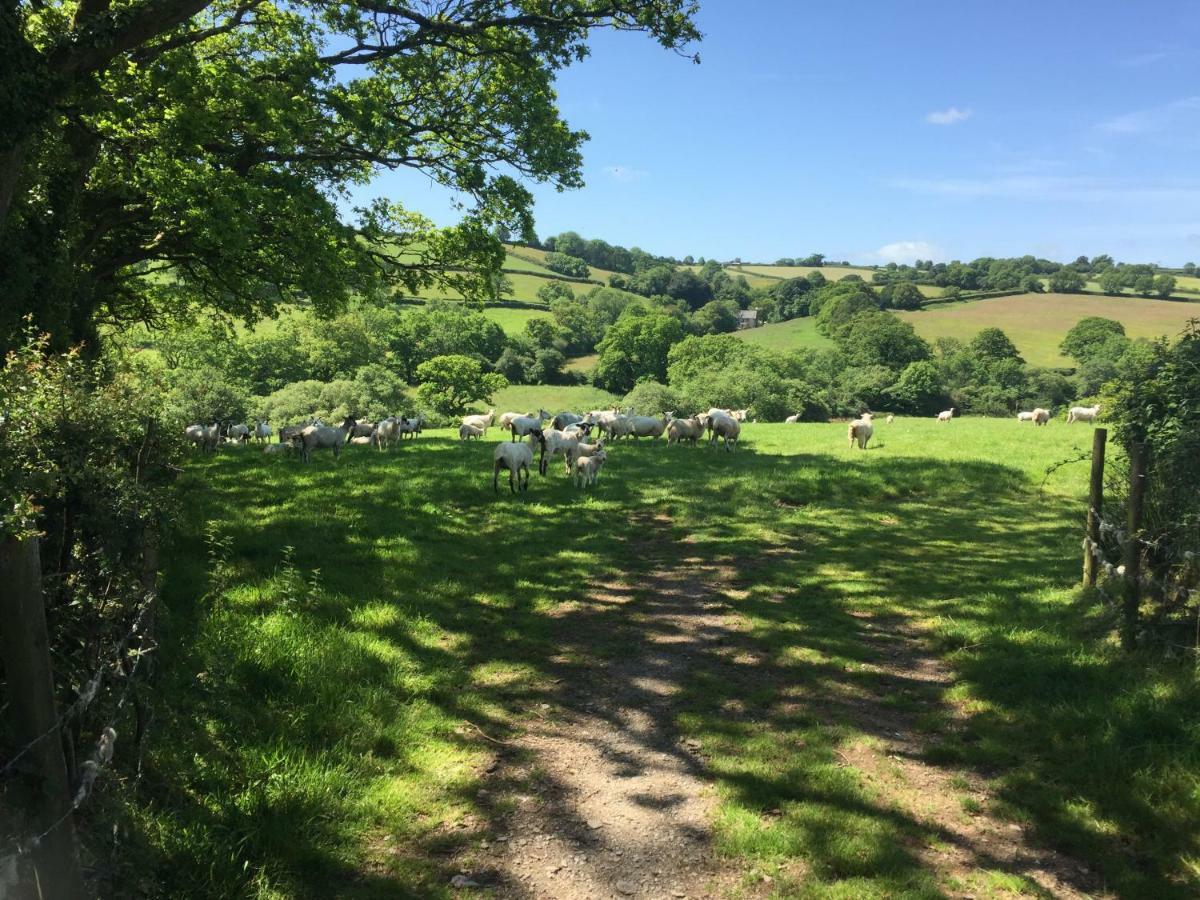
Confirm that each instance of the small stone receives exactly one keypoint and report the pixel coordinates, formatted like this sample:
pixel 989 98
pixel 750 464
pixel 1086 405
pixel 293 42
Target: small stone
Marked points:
pixel 594 824
pixel 676 892
pixel 628 888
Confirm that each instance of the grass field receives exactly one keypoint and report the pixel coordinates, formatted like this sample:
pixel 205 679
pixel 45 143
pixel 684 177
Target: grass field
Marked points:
pixel 1036 323
pixel 594 273
pixel 832 273
pixel 513 320
pixel 554 398
pixel 337 637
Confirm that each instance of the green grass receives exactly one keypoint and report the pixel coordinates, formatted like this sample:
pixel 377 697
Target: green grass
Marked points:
pixel 794 334
pixel 554 398
pixel 513 320
pixel 311 735
pixel 832 273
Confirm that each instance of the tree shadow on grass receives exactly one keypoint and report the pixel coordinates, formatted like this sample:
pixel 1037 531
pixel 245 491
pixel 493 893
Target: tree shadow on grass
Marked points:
pixel 439 604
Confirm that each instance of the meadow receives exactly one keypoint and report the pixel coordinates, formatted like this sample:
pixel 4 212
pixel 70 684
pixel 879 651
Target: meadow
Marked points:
pixel 1036 323
pixel 348 646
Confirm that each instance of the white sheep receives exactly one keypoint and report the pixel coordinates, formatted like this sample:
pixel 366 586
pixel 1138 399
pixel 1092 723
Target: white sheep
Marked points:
pixel 738 414
pixel 363 440
pixel 1083 413
pixel 558 442
pixel 860 431
pixel 946 415
pixel 726 428
pixel 792 419
pixel 581 450
pixel 1041 416
pixel 322 437
pixel 890 419
pixel 239 433
pixel 466 431
pixel 1025 416
pixel 262 431
pixel 618 426
pixel 690 429
pixel 563 419
pixel 523 426
pixel 648 426
pixel 206 437
pixel 587 468
pixel 386 433
pixel 409 427
pixel 516 457
pixel 483 422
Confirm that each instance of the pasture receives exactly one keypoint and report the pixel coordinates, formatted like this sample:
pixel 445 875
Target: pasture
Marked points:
pixel 513 320
pixel 899 689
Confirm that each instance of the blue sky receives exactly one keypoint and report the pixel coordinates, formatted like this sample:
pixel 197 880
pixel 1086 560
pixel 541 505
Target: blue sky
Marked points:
pixel 877 131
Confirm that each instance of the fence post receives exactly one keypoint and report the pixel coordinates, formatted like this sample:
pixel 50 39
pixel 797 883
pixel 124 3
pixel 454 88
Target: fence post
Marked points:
pixel 25 647
pixel 1095 507
pixel 1133 547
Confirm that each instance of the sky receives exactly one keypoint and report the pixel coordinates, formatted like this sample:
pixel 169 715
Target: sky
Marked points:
pixel 880 132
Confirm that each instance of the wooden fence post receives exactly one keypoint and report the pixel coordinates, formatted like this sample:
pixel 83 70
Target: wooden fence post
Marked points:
pixel 26 652
pixel 1095 506
pixel 1133 547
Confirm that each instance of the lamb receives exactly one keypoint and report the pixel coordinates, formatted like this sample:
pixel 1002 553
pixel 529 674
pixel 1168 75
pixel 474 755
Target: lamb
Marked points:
pixel 516 456
pixel 587 468
pixel 262 431
pixel 483 422
pixel 860 431
pixel 684 430
pixel 206 437
pixel 726 428
pixel 1083 413
pixel 792 419
pixel 363 440
pixel 322 437
pixel 558 442
pixel 1041 416
pixel 890 419
pixel 1025 416
pixel 648 426
pixel 466 431
pixel 386 433
pixel 581 450
pixel 946 415
pixel 526 425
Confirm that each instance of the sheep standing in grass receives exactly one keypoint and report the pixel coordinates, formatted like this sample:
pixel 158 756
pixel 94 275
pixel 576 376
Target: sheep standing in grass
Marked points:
pixel 726 428
pixel 1041 416
pixel 323 437
pixel 386 433
pixel 792 419
pixel 587 468
pixel 467 431
pixel 239 433
pixel 483 422
pixel 262 431
pixel 516 456
pixel 563 419
pixel 581 450
pixel 946 415
pixel 523 426
pixel 206 437
pixel 1083 413
pixel 1025 416
pixel 891 419
pixel 362 429
pixel 860 431
pixel 684 430
pixel 648 426
pixel 409 428
pixel 558 442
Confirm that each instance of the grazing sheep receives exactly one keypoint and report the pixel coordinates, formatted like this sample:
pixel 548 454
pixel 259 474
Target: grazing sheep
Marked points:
pixel 239 433
pixel 1083 413
pixel 506 419
pixel 587 468
pixel 684 430
pixel 466 431
pixel 523 426
pixel 1041 416
pixel 409 427
pixel 206 437
pixel 563 419
pixel 483 422
pixel 860 431
pixel 891 419
pixel 726 428
pixel 1025 416
pixel 323 437
pixel 618 426
pixel 262 431
pixel 363 440
pixel 792 419
pixel 386 433
pixel 516 456
pixel 289 433
pixel 363 429
pixel 648 426
pixel 946 415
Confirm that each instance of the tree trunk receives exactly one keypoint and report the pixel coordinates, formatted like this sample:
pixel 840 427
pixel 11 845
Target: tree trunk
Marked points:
pixel 34 714
pixel 1095 507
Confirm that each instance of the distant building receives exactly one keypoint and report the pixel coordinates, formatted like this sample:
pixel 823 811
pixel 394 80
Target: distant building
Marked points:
pixel 748 318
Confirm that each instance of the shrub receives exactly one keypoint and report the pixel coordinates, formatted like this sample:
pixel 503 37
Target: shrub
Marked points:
pixel 651 398
pixel 450 383
pixel 571 266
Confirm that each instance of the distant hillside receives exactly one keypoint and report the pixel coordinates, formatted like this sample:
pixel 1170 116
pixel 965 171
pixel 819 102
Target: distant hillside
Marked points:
pixel 1036 323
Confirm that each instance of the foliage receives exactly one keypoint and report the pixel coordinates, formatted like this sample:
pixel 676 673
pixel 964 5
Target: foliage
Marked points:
pixel 203 396
pixel 635 347
pixel 993 344
pixel 565 264
pixel 902 295
pixel 553 291
pixel 1067 281
pixel 918 390
pixel 449 384
pixel 876 338
pixel 373 393
pixel 652 398
pixel 1093 336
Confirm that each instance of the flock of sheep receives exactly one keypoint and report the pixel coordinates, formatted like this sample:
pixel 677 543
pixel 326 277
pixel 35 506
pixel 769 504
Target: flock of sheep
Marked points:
pixel 568 435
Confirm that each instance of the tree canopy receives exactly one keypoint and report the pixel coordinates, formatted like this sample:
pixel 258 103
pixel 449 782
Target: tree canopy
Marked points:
pixel 161 154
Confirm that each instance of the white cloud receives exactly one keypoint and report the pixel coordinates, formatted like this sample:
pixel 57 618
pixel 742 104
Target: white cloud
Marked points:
pixel 1054 188
pixel 951 116
pixel 624 173
pixel 1154 119
pixel 907 251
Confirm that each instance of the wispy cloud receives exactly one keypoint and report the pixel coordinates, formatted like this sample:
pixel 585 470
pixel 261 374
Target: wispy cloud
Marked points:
pixel 1054 188
pixel 625 173
pixel 1153 119
pixel 950 116
pixel 907 251
pixel 1139 60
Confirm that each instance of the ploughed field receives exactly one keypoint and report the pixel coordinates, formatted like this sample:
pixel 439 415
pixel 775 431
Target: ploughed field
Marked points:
pixel 901 692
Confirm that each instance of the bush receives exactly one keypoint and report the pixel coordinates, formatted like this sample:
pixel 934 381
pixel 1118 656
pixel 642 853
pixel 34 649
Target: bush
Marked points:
pixel 374 392
pixel 651 398
pixel 571 266
pixel 451 383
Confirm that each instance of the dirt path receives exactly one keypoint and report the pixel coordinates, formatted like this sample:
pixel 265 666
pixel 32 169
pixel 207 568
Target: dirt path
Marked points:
pixel 601 798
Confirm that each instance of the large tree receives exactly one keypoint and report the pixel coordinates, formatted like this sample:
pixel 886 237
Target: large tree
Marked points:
pixel 158 154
